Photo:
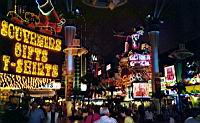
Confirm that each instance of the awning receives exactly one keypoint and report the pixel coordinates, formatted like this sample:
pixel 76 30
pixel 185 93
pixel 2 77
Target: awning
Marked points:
pixel 42 93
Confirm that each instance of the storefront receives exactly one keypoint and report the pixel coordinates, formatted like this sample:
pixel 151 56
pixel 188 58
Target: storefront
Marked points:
pixel 29 60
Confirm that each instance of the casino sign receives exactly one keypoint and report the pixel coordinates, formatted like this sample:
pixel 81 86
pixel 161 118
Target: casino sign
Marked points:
pixel 28 59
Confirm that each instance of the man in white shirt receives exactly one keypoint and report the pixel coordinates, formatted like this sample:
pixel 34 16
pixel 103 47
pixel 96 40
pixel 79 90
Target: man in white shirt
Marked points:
pixel 105 116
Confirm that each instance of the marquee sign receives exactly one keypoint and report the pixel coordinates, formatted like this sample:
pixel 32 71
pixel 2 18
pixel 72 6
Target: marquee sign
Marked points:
pixel 139 59
pixel 28 54
pixel 19 81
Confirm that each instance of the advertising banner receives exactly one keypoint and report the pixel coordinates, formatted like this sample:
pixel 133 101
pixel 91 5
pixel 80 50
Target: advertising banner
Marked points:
pixel 170 75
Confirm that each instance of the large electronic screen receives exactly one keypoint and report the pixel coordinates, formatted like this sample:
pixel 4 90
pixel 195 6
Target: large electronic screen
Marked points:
pixel 140 90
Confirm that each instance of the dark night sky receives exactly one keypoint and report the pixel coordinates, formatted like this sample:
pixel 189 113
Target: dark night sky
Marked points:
pixel 181 23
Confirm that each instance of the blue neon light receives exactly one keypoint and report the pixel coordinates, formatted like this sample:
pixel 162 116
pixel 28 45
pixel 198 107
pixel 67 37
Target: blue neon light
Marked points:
pixel 70 61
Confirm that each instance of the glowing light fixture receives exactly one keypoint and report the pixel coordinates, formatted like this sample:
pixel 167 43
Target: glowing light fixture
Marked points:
pixel 99 72
pixel 108 67
pixel 94 58
pixel 83 87
pixel 70 61
pixel 181 53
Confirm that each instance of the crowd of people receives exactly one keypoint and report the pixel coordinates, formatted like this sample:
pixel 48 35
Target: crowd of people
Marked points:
pixel 121 114
pixel 35 112
pixel 40 112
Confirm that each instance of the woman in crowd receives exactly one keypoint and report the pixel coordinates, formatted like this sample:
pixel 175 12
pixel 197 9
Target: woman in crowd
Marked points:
pixel 128 118
pixel 92 115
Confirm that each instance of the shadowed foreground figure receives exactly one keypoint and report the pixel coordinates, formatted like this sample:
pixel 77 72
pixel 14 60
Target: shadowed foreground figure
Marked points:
pixel 193 116
pixel 92 115
pixel 13 114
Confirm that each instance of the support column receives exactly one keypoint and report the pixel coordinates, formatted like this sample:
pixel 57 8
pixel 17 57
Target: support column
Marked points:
pixel 154 39
pixel 73 48
pixel 70 32
pixel 179 71
pixel 154 34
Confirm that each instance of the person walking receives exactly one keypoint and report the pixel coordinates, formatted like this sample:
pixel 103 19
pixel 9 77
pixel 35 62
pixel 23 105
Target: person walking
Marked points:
pixel 105 116
pixel 35 114
pixel 148 116
pixel 128 118
pixel 52 115
pixel 92 116
pixel 141 113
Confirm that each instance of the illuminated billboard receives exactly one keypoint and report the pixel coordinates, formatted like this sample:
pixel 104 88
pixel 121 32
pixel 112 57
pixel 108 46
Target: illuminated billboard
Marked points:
pixel 170 75
pixel 28 59
pixel 139 59
pixel 141 90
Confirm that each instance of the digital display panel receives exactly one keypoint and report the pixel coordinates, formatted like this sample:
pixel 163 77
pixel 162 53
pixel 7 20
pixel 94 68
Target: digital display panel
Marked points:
pixel 170 75
pixel 140 90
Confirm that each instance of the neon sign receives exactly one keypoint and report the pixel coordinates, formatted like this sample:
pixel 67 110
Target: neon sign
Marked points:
pixel 29 37
pixel 94 58
pixel 139 59
pixel 45 8
pixel 20 81
pixel 131 42
pixel 41 22
pixel 27 52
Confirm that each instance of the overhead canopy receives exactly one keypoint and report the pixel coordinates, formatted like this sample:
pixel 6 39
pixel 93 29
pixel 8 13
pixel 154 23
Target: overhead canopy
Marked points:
pixel 42 93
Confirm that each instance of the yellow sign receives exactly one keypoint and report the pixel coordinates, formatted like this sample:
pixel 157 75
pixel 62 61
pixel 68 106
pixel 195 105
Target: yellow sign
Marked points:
pixel 31 51
pixel 193 88
pixel 19 81
pixel 29 37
